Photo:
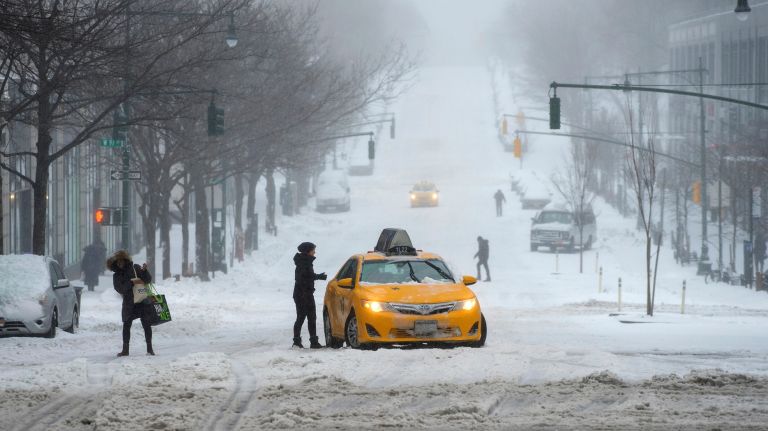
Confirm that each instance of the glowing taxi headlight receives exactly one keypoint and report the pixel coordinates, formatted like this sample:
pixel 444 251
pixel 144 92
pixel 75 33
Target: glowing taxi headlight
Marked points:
pixel 413 196
pixel 434 195
pixel 375 306
pixel 467 305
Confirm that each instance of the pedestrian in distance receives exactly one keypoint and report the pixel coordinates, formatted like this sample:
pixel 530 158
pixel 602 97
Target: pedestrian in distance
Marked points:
pixel 500 200
pixel 482 257
pixel 303 294
pixel 759 250
pixel 91 265
pixel 125 275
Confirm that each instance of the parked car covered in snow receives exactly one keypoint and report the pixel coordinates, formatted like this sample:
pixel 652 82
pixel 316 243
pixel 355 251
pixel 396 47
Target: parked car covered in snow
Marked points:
pixel 399 295
pixel 332 191
pixel 556 226
pixel 35 297
pixel 536 196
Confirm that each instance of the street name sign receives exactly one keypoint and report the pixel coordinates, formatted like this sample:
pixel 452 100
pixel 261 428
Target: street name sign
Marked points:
pixel 112 143
pixel 126 175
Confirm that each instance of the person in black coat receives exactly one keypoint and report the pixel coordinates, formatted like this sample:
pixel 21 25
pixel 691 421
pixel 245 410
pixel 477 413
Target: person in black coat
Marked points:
pixel 91 267
pixel 303 290
pixel 500 200
pixel 124 271
pixel 482 257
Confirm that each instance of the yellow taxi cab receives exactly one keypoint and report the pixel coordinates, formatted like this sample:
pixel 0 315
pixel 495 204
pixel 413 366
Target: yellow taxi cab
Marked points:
pixel 424 194
pixel 398 295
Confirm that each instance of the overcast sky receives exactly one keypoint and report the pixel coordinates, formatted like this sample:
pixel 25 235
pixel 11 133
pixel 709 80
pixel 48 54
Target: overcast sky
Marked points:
pixel 459 28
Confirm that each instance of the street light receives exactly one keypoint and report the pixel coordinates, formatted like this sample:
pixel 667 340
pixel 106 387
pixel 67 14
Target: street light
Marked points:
pixel 742 10
pixel 231 35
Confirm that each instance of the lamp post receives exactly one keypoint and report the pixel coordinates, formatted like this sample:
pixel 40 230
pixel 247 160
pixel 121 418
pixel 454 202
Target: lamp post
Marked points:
pixel 231 41
pixel 742 10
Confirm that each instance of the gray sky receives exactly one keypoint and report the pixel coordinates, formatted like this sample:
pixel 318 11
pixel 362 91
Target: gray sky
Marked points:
pixel 459 28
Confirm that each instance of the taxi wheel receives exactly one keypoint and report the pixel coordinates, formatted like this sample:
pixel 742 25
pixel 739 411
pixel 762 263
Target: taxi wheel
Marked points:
pixel 330 340
pixel 350 331
pixel 483 333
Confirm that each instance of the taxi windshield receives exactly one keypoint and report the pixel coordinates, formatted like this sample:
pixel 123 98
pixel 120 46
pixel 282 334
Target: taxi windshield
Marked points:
pixel 423 187
pixel 432 271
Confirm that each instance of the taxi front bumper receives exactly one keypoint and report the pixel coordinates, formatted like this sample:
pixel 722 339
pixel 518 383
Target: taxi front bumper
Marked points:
pixel 390 327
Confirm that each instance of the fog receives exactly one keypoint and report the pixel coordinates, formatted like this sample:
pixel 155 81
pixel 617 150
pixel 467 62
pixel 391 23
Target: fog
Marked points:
pixel 383 214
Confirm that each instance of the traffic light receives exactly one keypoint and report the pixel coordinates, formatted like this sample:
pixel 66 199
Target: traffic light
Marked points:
pixel 102 215
pixel 518 147
pixel 554 112
pixel 371 149
pixel 215 120
pixel 696 193
pixel 109 216
pixel 119 127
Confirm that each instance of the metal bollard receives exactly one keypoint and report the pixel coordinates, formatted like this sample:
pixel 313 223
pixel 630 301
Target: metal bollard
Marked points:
pixel 682 303
pixel 619 293
pixel 597 260
pixel 600 281
pixel 557 261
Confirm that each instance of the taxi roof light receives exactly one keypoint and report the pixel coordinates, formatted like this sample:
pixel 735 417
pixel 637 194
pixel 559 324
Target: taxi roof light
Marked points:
pixel 394 241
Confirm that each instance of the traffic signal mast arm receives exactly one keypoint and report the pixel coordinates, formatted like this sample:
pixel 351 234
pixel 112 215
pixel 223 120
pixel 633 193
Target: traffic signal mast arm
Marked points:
pixel 608 141
pixel 625 87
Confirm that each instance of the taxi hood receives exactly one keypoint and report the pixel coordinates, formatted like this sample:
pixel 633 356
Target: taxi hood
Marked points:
pixel 415 293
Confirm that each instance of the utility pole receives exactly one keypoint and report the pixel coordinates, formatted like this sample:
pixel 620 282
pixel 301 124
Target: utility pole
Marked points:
pixel 703 162
pixel 126 218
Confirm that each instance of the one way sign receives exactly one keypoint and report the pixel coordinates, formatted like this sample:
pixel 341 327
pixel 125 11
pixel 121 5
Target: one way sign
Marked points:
pixel 126 175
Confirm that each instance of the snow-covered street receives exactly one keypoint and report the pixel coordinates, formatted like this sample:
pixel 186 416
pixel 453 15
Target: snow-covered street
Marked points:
pixel 555 353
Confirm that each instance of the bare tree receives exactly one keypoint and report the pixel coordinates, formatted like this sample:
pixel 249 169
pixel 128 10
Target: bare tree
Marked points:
pixel 642 169
pixel 79 66
pixel 574 185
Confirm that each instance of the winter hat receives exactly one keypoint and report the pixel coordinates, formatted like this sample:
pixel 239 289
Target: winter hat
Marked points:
pixel 119 255
pixel 306 247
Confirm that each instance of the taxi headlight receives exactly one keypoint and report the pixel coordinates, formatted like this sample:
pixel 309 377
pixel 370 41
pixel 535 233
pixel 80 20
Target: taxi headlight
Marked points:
pixel 434 195
pixel 413 196
pixel 376 306
pixel 467 305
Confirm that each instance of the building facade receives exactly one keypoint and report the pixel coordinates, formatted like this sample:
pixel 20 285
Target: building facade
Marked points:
pixel 79 184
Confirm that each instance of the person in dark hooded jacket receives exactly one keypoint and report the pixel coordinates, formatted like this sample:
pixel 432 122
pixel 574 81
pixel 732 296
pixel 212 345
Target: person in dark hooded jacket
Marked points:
pixel 124 271
pixel 303 291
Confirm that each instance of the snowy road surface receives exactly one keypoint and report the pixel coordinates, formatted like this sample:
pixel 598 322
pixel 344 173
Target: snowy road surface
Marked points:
pixel 555 357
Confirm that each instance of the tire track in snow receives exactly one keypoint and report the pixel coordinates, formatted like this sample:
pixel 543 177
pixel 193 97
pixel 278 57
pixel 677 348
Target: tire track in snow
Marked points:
pixel 57 412
pixel 231 412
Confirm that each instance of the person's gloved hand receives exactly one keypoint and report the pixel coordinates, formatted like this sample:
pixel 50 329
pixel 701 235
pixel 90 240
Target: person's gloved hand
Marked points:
pixel 322 276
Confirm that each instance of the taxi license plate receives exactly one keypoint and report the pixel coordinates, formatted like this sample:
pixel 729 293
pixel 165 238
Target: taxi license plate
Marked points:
pixel 425 327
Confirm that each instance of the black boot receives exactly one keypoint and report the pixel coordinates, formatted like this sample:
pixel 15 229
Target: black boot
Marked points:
pixel 150 351
pixel 125 350
pixel 297 342
pixel 313 344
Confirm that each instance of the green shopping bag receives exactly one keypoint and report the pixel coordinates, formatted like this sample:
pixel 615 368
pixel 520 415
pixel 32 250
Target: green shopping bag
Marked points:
pixel 158 312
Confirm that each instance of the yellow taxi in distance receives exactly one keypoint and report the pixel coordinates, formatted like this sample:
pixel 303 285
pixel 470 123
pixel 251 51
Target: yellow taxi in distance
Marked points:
pixel 397 295
pixel 424 194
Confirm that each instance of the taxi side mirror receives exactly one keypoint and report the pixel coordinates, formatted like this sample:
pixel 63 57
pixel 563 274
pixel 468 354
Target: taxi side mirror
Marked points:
pixel 346 283
pixel 468 280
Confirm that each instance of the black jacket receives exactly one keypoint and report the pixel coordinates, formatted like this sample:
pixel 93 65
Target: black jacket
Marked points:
pixel 305 275
pixel 121 280
pixel 482 252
